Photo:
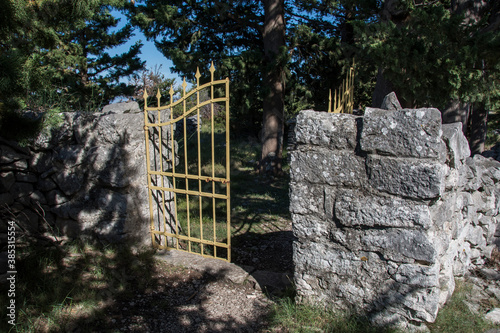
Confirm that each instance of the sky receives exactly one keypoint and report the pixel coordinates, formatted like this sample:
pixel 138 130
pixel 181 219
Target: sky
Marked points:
pixel 149 53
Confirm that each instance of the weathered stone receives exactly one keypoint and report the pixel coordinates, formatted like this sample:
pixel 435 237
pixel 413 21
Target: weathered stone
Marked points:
pixel 115 129
pixel 18 165
pixel 474 235
pixel 443 209
pixel 458 147
pixel 9 155
pixel 391 102
pixel 26 177
pixel 56 197
pixel 310 227
pixel 356 209
pixel 408 178
pixel 68 227
pixel 68 181
pixel 6 198
pixel 37 198
pixel 42 162
pixel 306 199
pixel 7 179
pixel 333 130
pixel 398 245
pixel 70 156
pixel 320 166
pixel 123 107
pixel 46 184
pixel 403 133
pixel 61 135
pixel 493 316
pixel 21 189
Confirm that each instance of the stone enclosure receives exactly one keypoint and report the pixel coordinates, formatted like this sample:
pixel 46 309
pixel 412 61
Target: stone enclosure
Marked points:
pixel 387 209
pixel 86 179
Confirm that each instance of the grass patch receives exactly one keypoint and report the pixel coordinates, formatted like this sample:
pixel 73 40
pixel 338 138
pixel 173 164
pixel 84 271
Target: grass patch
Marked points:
pixel 290 317
pixel 456 316
pixel 62 288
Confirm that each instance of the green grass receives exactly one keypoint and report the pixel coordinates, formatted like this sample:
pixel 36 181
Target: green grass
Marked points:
pixel 60 288
pixel 456 316
pixel 290 317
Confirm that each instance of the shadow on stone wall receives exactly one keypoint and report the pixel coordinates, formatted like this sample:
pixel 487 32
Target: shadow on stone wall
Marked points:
pixel 86 179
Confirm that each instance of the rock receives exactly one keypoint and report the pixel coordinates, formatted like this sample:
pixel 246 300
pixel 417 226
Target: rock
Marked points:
pixel 333 130
pixel 7 179
pixel 26 177
pixel 123 107
pixel 398 245
pixel 9 155
pixel 391 102
pixel 408 178
pixel 322 166
pixel 68 181
pixel 403 133
pixel 494 291
pixel 356 209
pixel 28 220
pixel 489 274
pixel 19 190
pixel 458 146
pixel 493 316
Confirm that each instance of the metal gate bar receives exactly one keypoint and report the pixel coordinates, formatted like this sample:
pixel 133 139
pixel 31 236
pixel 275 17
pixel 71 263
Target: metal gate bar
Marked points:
pixel 174 184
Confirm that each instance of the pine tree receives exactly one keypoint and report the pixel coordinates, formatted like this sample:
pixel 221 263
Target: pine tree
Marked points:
pixel 436 51
pixel 260 45
pixel 62 46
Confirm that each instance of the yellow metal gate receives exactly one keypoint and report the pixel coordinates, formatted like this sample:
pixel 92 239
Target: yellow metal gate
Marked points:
pixel 188 169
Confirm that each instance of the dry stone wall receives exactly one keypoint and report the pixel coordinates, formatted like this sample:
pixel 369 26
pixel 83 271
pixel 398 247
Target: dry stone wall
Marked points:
pixel 86 179
pixel 387 209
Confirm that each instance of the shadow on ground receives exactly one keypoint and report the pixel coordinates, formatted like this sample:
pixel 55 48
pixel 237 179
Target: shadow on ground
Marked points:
pixel 83 288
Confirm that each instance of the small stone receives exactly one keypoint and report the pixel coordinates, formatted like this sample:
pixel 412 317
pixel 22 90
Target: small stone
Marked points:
pixel 490 274
pixel 493 316
pixel 495 291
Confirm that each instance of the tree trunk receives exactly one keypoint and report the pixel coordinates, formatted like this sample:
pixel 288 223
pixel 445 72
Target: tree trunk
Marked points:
pixel 478 128
pixel 273 118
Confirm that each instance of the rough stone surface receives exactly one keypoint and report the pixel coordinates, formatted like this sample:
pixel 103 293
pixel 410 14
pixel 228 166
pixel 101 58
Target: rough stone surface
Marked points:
pixel 391 102
pixel 403 133
pixel 88 178
pixel 493 316
pixel 406 177
pixel 385 229
pixel 123 107
pixel 337 132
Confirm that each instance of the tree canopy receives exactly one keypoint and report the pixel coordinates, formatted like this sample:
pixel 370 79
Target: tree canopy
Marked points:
pixel 61 47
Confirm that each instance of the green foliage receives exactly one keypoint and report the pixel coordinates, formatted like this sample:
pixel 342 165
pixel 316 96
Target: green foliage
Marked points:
pixel 62 45
pixel 429 64
pixel 456 316
pixel 315 59
pixel 291 317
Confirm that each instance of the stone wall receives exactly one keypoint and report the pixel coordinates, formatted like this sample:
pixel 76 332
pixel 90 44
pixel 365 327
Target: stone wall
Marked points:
pixel 387 208
pixel 86 179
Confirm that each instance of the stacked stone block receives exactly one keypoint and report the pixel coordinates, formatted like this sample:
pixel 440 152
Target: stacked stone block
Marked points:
pixel 86 179
pixel 387 208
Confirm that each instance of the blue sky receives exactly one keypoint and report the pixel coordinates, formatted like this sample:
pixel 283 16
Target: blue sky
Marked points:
pixel 149 53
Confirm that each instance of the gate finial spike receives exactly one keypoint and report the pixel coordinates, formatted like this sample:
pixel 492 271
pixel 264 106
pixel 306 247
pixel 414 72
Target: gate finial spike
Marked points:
pixel 145 95
pixel 158 94
pixel 184 85
pixel 198 75
pixel 212 68
pixel 171 91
